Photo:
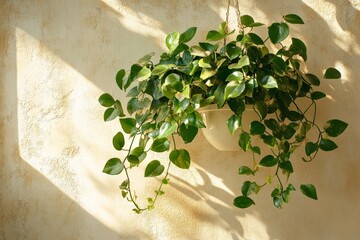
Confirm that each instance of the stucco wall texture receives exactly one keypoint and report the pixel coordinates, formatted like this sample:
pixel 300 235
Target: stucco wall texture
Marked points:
pixel 57 57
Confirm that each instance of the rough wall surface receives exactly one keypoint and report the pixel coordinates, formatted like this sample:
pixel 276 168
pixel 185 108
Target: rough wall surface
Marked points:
pixel 57 57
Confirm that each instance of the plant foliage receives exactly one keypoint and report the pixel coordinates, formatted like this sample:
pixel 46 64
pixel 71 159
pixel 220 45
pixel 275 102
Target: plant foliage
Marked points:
pixel 164 99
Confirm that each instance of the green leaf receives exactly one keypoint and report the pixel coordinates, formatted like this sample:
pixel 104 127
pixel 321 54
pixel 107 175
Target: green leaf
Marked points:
pixel 233 123
pixel 243 61
pixel 294 116
pixel 188 133
pixel 206 73
pixel 194 119
pixel 134 105
pixel 208 47
pixel 111 114
pixel 286 166
pixel 205 62
pixel 243 202
pixel 181 158
pixel 272 124
pixel 153 169
pixel 298 47
pixel 172 85
pixel 180 48
pixel 172 40
pixel 327 145
pixel 187 35
pixel 317 95
pixel 278 202
pixel 118 141
pixel 268 82
pixel 244 170
pixel 119 78
pixel 246 20
pixel 256 24
pixel 244 141
pixel 256 150
pixel 160 145
pixel 106 100
pixel 161 69
pixel 293 18
pixel 236 76
pixel 146 59
pixel 124 185
pixel 279 64
pixel 278 32
pixel 135 69
pixel 261 109
pixel 309 190
pixel 312 79
pixel 173 81
pixel 234 89
pixel 113 166
pixel 220 95
pixel 256 128
pixel 214 36
pixel 335 127
pixel 139 153
pixel 166 129
pixel 256 39
pixel 268 161
pixel 249 187
pixel 236 105
pixel 332 73
pixel 232 50
pixel 133 159
pixel 128 124
pixel 269 140
pixel 118 106
pixel 310 148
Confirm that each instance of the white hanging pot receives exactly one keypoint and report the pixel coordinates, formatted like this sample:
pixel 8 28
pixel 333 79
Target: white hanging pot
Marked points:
pixel 217 132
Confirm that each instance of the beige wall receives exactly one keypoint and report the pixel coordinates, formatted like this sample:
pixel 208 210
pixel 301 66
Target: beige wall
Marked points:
pixel 57 57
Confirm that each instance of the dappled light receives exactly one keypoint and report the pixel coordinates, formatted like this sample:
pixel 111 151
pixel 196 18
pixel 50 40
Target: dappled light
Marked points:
pixel 58 57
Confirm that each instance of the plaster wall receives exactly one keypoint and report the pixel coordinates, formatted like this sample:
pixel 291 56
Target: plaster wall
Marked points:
pixel 57 57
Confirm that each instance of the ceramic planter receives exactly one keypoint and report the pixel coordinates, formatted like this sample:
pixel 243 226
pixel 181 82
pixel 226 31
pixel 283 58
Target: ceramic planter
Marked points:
pixel 217 132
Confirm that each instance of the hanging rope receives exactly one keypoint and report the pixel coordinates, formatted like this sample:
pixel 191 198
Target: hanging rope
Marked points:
pixel 238 16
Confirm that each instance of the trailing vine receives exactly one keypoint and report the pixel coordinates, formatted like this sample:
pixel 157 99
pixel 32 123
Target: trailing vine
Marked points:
pixel 165 97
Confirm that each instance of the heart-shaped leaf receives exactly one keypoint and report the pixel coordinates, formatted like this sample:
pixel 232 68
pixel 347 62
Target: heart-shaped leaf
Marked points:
pixel 327 145
pixel 310 148
pixel 113 166
pixel 309 190
pixel 187 35
pixel 278 32
pixel 268 161
pixel 243 202
pixel 332 73
pixel 153 169
pixel 106 100
pixel 293 18
pixel 335 127
pixel 160 145
pixel 181 158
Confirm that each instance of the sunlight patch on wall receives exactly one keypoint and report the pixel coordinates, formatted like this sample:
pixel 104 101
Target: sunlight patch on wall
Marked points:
pixel 52 101
pixel 137 22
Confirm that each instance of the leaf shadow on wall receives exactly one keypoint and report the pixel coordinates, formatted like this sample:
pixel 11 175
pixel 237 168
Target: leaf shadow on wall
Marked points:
pixel 317 34
pixel 31 206
pixel 96 66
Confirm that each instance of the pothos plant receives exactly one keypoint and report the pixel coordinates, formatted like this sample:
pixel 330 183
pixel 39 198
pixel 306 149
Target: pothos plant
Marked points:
pixel 261 72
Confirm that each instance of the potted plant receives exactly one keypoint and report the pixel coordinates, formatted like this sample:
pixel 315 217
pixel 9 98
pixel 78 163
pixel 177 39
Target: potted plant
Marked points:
pixel 250 72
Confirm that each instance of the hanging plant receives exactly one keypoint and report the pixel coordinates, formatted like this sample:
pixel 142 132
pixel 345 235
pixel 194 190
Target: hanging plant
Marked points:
pixel 165 98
